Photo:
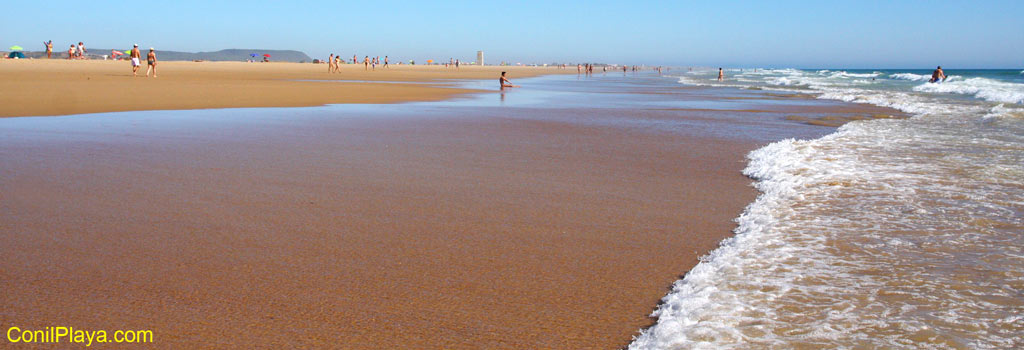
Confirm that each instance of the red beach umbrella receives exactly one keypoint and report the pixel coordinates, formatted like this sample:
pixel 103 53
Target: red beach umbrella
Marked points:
pixel 266 55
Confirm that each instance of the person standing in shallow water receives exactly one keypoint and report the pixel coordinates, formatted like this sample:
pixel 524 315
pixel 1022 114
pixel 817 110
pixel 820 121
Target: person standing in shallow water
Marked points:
pixel 938 75
pixel 721 75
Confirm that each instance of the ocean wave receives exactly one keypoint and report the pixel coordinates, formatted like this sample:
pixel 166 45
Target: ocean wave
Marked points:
pixel 900 101
pixel 772 71
pixel 986 89
pixel 844 74
pixel 783 281
pixel 910 76
pixel 684 315
pixel 785 81
pixel 695 81
pixel 709 82
pixel 1001 111
pixel 844 223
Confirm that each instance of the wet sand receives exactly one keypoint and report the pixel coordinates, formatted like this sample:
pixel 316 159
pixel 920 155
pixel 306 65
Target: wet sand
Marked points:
pixel 440 232
pixel 371 226
pixel 63 87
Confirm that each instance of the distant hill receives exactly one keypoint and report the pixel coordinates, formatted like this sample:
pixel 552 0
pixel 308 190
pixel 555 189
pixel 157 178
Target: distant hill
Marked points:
pixel 222 55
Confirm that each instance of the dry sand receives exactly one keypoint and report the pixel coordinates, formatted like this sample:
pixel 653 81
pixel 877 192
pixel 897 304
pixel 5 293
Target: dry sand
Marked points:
pixel 61 87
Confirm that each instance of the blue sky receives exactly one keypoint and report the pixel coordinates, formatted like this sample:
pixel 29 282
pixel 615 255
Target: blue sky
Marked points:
pixel 803 34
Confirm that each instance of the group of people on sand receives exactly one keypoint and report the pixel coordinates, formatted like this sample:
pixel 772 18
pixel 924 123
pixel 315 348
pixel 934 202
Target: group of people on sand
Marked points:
pixel 136 57
pixel 74 52
pixel 452 63
pixel 369 63
pixel 588 69
pixel 78 52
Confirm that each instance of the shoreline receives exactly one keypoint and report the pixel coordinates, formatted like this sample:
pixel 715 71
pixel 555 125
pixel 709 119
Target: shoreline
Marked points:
pixel 61 87
pixel 460 231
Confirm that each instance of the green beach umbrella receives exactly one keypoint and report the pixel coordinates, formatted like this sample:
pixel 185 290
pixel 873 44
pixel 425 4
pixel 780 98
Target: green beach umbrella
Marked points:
pixel 16 48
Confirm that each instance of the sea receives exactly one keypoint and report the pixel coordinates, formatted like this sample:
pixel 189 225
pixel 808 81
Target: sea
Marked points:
pixel 886 233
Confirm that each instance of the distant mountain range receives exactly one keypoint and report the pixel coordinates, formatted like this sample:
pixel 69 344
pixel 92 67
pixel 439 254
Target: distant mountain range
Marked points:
pixel 222 55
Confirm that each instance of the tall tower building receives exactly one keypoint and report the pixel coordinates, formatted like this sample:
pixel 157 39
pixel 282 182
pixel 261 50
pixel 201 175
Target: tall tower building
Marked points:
pixel 480 58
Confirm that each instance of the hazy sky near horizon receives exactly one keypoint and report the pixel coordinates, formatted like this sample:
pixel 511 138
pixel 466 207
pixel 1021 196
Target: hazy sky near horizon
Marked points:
pixel 803 34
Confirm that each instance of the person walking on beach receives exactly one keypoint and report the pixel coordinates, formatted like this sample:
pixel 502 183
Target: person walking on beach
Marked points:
pixel 49 48
pixel 136 56
pixel 456 64
pixel 938 75
pixel 505 83
pixel 330 63
pixel 71 52
pixel 721 75
pixel 337 64
pixel 385 61
pixel 151 62
pixel 366 63
pixel 81 50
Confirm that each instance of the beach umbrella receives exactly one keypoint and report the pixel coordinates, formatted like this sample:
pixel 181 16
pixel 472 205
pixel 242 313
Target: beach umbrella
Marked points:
pixel 266 55
pixel 252 55
pixel 16 48
pixel 115 52
pixel 430 61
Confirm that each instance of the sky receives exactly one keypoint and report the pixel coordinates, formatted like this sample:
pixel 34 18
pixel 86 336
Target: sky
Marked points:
pixel 800 34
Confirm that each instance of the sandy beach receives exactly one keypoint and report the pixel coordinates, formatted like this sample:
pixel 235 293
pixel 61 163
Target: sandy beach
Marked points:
pixel 648 176
pixel 62 87
pixel 387 228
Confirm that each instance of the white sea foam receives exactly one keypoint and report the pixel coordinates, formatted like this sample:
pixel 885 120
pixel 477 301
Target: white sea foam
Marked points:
pixel 1002 111
pixel 844 74
pixel 695 81
pixel 983 88
pixel 709 82
pixel 785 81
pixel 910 76
pixel 841 247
